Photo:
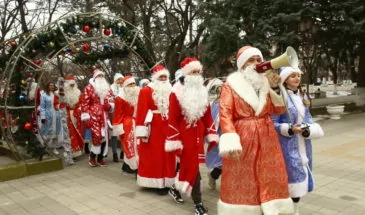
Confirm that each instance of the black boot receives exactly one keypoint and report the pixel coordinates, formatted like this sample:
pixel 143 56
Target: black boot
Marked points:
pixel 86 148
pixel 115 158
pixel 127 169
pixel 121 156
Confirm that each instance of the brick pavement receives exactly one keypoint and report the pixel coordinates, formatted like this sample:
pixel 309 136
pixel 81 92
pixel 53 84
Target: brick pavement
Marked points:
pixel 339 171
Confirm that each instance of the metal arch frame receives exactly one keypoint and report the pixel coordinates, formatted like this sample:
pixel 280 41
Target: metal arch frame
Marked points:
pixel 10 65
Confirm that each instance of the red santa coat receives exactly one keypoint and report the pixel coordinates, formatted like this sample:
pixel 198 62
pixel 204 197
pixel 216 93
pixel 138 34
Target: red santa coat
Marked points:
pixel 190 141
pixel 156 166
pixel 93 105
pixel 124 126
pixel 75 127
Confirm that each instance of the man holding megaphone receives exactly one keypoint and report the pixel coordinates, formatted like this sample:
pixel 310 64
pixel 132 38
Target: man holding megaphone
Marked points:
pixel 254 178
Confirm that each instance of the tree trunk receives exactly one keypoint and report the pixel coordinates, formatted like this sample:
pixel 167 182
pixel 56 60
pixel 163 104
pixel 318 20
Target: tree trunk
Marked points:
pixel 361 71
pixel 23 22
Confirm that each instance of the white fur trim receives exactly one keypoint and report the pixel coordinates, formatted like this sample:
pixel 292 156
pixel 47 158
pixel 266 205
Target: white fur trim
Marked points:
pixel 278 206
pixel 43 115
pixel 229 142
pixel 213 138
pixel 315 130
pixel 98 72
pixel 194 65
pixel 172 145
pixel 131 162
pixel 85 116
pixel 155 75
pixel 154 182
pixel 141 131
pixel 284 129
pixel 96 149
pixel 233 209
pixel 183 186
pixel 276 99
pixel 118 130
pixel 242 59
pixel 69 82
pixel 246 92
pixel 287 71
pixel 129 81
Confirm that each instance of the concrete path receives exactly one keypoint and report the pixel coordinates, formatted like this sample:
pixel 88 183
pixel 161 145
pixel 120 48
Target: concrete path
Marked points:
pixel 339 170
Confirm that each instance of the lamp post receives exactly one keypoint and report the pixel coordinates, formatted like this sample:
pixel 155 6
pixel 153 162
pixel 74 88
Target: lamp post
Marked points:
pixel 307 29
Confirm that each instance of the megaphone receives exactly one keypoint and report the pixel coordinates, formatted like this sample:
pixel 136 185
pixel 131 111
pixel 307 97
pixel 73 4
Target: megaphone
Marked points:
pixel 289 58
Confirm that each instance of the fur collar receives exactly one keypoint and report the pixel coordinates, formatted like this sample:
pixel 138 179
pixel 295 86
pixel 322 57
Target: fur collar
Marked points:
pixel 245 90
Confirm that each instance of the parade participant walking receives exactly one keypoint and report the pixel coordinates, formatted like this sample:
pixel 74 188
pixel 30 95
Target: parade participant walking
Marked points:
pixel 296 129
pixel 73 111
pixel 124 122
pixel 50 117
pixel 144 83
pixel 156 167
pixel 254 179
pixel 116 87
pixel 190 120
pixel 213 159
pixel 96 103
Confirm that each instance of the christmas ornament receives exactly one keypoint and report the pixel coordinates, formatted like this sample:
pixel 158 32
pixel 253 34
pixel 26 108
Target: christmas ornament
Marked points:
pixel 26 142
pixel 107 31
pixel 13 43
pixel 37 61
pixel 27 126
pixel 86 28
pixel 21 98
pixel 43 43
pixel 74 30
pixel 51 44
pixel 106 46
pixel 69 50
pixel 86 47
pixel 24 81
pixel 119 32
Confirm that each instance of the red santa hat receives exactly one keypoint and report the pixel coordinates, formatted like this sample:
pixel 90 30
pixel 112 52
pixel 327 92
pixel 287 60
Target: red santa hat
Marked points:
pixel 245 53
pixel 190 64
pixel 128 80
pixel 287 71
pixel 159 70
pixel 97 72
pixel 70 80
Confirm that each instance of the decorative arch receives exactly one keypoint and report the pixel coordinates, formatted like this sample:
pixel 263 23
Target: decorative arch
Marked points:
pixel 85 40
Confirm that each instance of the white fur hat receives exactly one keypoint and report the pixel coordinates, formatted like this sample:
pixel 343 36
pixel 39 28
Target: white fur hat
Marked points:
pixel 245 53
pixel 143 81
pixel 70 80
pixel 159 70
pixel 128 80
pixel 287 71
pixel 97 72
pixel 190 64
pixel 117 76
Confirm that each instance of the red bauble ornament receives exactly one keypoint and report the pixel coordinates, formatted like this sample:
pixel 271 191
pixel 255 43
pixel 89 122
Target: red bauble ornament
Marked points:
pixel 13 43
pixel 86 28
pixel 37 61
pixel 86 47
pixel 107 31
pixel 27 126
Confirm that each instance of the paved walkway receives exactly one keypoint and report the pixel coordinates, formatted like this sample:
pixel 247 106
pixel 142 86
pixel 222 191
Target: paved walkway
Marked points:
pixel 339 170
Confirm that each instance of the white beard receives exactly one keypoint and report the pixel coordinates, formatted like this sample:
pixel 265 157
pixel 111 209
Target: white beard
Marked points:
pixel 101 87
pixel 253 77
pixel 72 95
pixel 131 95
pixel 193 98
pixel 161 95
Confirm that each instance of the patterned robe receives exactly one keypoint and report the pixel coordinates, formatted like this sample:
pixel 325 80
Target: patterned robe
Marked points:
pixel 124 126
pixel 256 182
pixel 156 167
pixel 93 105
pixel 213 159
pixel 297 150
pixel 74 125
